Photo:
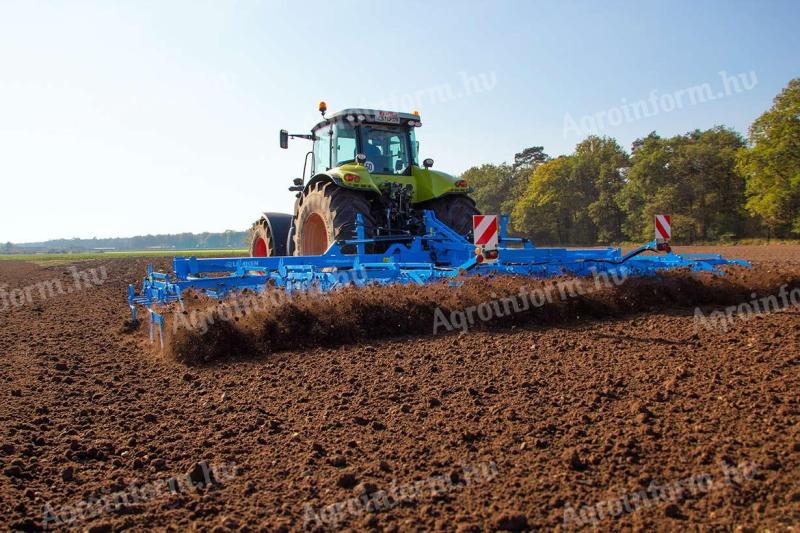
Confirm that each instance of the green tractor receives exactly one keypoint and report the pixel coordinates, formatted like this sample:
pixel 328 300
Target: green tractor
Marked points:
pixel 363 162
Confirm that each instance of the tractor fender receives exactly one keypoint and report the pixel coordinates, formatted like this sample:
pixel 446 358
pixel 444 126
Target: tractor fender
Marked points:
pixel 431 184
pixel 336 176
pixel 279 225
pixel 314 180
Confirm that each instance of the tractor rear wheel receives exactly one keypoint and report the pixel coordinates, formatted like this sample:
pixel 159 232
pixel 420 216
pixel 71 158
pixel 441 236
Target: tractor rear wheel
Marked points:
pixel 455 211
pixel 328 213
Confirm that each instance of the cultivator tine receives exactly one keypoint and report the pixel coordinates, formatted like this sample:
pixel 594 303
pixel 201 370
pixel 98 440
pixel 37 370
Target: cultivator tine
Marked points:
pixel 132 302
pixel 156 319
pixel 151 324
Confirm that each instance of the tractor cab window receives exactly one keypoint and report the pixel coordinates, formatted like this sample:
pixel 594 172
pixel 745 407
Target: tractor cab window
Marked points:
pixel 412 141
pixel 386 148
pixel 322 150
pixel 344 144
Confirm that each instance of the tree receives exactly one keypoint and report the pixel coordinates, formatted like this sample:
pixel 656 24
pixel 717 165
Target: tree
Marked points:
pixel 497 188
pixel 692 177
pixel 545 212
pixel 705 164
pixel 771 163
pixel 649 188
pixel 525 163
pixel 490 185
pixel 8 247
pixel 530 158
pixel 572 200
pixel 601 165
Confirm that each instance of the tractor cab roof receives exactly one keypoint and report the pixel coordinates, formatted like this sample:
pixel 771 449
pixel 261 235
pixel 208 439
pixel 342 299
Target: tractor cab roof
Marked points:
pixel 370 116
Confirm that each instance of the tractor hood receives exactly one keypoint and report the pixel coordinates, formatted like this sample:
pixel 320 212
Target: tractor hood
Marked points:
pixel 428 184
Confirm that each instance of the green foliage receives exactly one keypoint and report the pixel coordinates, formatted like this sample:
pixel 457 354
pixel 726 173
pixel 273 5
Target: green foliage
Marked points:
pixel 601 165
pixel 498 187
pixel 692 177
pixel 771 164
pixel 544 212
pixel 525 163
pixel 715 186
pixel 573 198
pixel 490 185
pixel 600 194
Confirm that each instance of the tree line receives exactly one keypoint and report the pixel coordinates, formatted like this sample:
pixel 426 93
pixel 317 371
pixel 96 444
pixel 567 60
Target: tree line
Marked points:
pixel 716 184
pixel 181 241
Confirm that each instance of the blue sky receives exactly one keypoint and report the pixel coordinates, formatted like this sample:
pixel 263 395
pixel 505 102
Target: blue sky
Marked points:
pixel 127 118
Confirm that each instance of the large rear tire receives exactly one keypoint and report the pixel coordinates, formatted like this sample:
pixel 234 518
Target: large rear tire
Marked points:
pixel 454 210
pixel 328 213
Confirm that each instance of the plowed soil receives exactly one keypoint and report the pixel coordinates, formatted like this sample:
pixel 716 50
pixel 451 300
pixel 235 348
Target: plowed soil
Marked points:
pixel 558 415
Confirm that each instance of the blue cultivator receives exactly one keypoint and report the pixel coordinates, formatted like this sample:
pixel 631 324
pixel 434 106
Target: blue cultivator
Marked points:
pixel 439 254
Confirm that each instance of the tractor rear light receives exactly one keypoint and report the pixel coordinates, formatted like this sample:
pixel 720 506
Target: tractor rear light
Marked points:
pixel 357 179
pixel 349 177
pixel 479 259
pixel 461 183
pixel 491 254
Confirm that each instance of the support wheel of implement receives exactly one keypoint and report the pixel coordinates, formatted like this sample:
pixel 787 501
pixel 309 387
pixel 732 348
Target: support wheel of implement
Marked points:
pixel 455 211
pixel 260 240
pixel 328 213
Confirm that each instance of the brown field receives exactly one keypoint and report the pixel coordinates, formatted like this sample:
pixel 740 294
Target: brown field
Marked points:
pixel 652 421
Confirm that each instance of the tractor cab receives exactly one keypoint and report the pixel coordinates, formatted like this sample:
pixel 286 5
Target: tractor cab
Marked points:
pixel 385 138
pixel 364 165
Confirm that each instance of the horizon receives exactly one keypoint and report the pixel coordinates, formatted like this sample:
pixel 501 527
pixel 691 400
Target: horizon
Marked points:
pixel 123 237
pixel 163 119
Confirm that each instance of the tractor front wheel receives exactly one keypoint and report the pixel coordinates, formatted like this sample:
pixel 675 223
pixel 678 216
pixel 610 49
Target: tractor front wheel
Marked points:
pixel 328 213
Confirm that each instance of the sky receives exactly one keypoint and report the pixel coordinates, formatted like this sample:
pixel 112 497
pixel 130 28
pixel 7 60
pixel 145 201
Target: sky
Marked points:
pixel 131 118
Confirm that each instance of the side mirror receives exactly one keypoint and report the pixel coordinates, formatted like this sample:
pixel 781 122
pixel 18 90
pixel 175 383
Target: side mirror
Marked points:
pixel 297 181
pixel 428 163
pixel 284 139
pixel 361 159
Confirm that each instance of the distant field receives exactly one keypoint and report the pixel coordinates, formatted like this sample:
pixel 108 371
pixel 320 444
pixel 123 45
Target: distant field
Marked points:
pixel 80 256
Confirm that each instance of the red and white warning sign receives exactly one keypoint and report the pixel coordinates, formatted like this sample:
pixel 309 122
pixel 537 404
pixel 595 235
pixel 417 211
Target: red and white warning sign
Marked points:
pixel 663 227
pixel 486 231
